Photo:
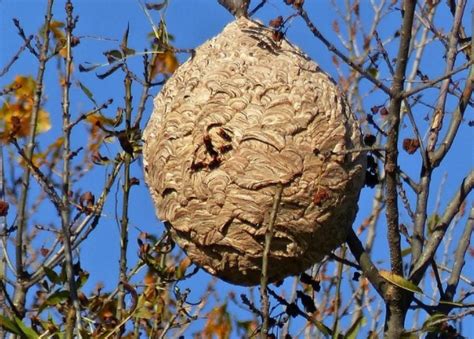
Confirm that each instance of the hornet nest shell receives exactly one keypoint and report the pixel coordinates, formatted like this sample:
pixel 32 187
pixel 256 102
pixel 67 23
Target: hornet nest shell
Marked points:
pixel 243 116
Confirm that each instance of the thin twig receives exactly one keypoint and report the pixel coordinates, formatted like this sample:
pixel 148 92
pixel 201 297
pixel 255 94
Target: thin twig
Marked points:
pixel 92 218
pixel 440 229
pixel 41 178
pixel 265 258
pixel 125 200
pixel 16 56
pixel 439 112
pixel 66 177
pixel 366 264
pixel 342 56
pixel 257 8
pixel 460 258
pixel 337 298
pixel 87 114
pixel 431 83
pixel 20 292
pixel 26 39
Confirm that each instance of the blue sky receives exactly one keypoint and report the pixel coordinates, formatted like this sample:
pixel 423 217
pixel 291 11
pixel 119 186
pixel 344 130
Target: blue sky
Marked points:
pixel 192 23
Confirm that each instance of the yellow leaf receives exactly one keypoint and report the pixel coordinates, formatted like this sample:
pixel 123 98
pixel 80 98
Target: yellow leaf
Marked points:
pixel 399 281
pixel 183 265
pixel 218 323
pixel 16 112
pixel 55 27
pixel 165 62
pixel 97 118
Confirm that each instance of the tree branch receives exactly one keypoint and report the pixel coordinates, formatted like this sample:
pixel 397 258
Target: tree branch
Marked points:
pixel 237 8
pixel 365 263
pixel 304 15
pixel 440 229
pixel 439 112
pixel 396 305
pixel 266 253
pixel 459 258
pixel 456 119
pixel 20 293
pixel 431 83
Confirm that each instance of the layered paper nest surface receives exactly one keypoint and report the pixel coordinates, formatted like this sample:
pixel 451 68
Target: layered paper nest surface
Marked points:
pixel 245 114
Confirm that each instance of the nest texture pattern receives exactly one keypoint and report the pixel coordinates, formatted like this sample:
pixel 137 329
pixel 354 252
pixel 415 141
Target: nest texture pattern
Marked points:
pixel 245 114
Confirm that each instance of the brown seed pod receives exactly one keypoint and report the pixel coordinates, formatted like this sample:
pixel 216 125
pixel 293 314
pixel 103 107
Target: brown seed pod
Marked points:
pixel 240 117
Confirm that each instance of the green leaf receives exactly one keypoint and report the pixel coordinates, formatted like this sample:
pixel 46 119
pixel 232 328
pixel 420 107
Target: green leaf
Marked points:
pixel 9 325
pixel 83 277
pixel 113 55
pixel 453 303
pixel 54 299
pixel 374 72
pixel 26 331
pixel 432 222
pixel 400 281
pixel 430 324
pixel 63 275
pixel 322 328
pixel 406 251
pixel 88 68
pixel 408 335
pixel 87 92
pixel 52 275
pixel 143 313
pixel 124 43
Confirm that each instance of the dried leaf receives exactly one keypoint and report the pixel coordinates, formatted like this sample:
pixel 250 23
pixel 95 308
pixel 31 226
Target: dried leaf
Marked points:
pixel 277 22
pixel 218 323
pixel 157 6
pixel 4 208
pixel 411 145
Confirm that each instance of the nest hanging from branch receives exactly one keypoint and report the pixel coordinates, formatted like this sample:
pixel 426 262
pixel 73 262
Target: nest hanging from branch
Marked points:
pixel 246 114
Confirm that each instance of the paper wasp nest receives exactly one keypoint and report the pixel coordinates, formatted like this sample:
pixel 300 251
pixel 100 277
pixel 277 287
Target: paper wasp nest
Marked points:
pixel 243 115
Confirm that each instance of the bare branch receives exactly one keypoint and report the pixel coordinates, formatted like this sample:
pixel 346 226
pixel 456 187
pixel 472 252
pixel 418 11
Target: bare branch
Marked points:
pixel 16 56
pixel 42 180
pixel 266 252
pixel 91 219
pixel 391 157
pixel 439 112
pixel 431 83
pixel 395 316
pixel 66 178
pixel 236 7
pixel 455 122
pixel 333 49
pixel 20 293
pixel 459 258
pixel 26 39
pixel 366 264
pixel 440 229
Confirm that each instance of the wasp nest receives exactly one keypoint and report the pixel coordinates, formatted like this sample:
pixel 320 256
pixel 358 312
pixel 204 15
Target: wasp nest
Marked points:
pixel 243 116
